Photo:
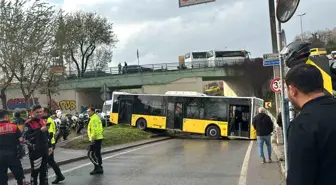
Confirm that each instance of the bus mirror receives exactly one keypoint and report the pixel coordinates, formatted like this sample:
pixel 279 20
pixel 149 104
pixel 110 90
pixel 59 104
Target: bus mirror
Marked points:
pixel 285 9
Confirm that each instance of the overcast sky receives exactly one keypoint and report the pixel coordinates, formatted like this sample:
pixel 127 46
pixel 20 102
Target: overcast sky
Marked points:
pixel 162 31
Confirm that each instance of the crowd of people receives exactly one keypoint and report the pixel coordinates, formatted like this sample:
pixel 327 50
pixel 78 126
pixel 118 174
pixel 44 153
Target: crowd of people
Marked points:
pixel 38 134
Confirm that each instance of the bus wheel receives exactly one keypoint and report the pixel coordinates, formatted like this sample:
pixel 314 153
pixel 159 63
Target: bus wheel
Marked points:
pixel 213 132
pixel 141 124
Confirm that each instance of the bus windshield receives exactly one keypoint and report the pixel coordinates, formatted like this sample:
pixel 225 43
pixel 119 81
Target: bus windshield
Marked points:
pixel 106 108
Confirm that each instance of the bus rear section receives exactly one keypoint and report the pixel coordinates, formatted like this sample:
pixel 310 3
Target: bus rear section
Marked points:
pixel 214 117
pixel 196 59
pixel 221 58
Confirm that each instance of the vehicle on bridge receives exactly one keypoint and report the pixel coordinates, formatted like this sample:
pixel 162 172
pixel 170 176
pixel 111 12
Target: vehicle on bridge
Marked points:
pixel 318 51
pixel 136 69
pixel 197 59
pixel 227 57
pixel 190 112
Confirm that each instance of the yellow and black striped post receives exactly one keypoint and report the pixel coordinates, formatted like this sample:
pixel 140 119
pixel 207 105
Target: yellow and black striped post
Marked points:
pixel 322 63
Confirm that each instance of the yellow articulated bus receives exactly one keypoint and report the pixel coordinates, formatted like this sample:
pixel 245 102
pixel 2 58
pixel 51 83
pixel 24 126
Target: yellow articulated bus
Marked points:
pixel 190 112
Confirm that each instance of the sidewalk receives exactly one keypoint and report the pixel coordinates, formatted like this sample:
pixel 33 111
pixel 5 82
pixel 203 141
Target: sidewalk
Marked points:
pixel 279 152
pixel 65 156
pixel 263 174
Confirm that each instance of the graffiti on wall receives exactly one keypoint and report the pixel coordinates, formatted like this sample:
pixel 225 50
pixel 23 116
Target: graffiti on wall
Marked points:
pixel 68 105
pixel 20 103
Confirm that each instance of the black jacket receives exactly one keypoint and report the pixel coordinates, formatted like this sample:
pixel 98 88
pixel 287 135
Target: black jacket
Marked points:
pixel 263 124
pixel 9 138
pixel 34 137
pixel 312 144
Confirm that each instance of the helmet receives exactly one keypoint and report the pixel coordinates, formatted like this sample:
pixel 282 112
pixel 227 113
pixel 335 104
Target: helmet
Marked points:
pixel 296 53
pixel 74 118
pixel 58 121
pixel 81 116
pixel 16 114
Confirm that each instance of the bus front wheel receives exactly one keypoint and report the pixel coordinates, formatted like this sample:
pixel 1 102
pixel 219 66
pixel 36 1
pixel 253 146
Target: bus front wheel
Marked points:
pixel 213 132
pixel 141 124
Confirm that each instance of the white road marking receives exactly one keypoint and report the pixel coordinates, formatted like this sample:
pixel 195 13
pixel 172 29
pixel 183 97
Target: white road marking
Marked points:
pixel 243 172
pixel 108 157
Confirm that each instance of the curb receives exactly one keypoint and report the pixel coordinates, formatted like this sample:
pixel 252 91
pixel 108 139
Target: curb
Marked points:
pixel 28 170
pixel 280 159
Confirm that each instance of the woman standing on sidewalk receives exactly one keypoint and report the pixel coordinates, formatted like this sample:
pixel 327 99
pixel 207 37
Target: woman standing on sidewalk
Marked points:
pixel 263 124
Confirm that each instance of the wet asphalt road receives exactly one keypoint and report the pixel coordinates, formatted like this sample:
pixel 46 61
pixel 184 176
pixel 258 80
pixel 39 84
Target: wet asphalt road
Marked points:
pixel 177 162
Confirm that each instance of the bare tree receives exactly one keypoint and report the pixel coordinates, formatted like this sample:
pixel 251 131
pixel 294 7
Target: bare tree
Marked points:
pixel 50 86
pixel 85 32
pixel 10 15
pixel 100 59
pixel 33 46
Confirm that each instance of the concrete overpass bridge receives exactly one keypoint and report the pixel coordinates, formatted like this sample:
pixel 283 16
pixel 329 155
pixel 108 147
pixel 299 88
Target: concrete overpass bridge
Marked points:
pixel 76 93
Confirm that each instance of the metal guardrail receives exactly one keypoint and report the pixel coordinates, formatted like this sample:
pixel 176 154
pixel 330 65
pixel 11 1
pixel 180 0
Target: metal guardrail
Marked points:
pixel 155 68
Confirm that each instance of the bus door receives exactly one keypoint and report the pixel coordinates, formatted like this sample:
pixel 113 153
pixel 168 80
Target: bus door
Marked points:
pixel 174 114
pixel 125 109
pixel 239 118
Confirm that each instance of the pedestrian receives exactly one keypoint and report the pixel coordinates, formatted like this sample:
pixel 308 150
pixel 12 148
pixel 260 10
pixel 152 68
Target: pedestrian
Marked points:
pixel 51 160
pixel 125 66
pixel 263 124
pixel 18 121
pixel 119 68
pixel 95 134
pixel 10 150
pixel 312 134
pixel 39 146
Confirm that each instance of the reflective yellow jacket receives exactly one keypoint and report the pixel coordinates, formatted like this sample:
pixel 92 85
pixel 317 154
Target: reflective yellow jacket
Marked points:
pixel 95 128
pixel 52 129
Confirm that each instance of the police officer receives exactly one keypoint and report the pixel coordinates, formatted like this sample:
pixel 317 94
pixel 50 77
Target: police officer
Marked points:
pixel 18 120
pixel 51 160
pixel 312 134
pixel 95 134
pixel 10 150
pixel 39 146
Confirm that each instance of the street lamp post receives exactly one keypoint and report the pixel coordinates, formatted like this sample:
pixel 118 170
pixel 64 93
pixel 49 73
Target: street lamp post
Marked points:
pixel 301 15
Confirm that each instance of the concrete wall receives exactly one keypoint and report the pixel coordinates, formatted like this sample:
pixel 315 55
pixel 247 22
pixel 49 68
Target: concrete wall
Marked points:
pixel 72 101
pixel 68 101
pixel 185 84
pixel 237 87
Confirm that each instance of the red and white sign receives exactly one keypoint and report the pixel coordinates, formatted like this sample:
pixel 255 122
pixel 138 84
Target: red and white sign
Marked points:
pixel 276 85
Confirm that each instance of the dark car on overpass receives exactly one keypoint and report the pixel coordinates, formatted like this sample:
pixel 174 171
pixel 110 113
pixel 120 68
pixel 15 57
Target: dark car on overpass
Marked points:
pixel 136 69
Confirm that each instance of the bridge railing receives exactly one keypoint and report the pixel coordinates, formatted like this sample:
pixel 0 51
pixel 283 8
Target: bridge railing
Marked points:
pixel 154 68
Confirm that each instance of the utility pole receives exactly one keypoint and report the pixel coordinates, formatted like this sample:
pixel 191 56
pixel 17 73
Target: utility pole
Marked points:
pixel 276 69
pixel 301 15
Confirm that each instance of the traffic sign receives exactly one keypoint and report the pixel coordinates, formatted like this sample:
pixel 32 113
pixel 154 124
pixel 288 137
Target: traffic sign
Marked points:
pixel 268 105
pixel 271 63
pixel 276 85
pixel 271 59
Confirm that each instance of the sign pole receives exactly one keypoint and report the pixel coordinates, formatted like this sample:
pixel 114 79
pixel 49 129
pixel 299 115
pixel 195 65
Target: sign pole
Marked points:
pixel 284 113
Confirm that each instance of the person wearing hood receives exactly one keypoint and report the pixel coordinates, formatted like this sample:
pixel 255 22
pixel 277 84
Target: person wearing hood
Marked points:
pixel 263 124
